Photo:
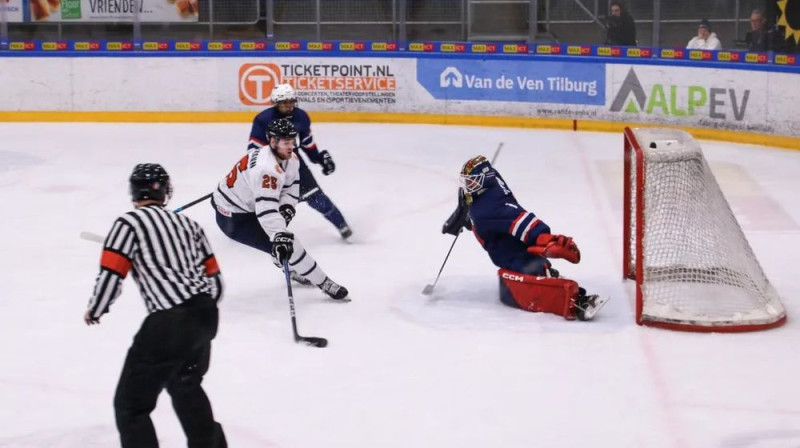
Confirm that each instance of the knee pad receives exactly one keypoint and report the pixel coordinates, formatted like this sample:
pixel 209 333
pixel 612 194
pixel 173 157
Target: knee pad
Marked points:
pixel 538 294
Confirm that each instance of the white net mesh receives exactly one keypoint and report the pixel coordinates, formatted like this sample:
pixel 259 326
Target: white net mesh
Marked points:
pixel 699 269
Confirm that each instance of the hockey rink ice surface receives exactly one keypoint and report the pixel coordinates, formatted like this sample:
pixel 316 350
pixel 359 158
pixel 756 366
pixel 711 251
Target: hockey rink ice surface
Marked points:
pixel 456 369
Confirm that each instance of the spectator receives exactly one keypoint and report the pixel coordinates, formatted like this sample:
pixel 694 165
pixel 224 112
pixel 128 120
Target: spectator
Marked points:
pixel 621 29
pixel 760 38
pixel 705 39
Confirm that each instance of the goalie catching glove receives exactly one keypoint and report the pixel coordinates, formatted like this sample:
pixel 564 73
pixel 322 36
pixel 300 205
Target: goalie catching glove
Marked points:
pixel 458 219
pixel 556 246
pixel 283 246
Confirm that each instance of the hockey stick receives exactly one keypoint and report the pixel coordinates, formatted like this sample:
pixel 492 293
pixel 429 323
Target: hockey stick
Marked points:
pixel 89 236
pixel 309 340
pixel 428 289
pixel 196 201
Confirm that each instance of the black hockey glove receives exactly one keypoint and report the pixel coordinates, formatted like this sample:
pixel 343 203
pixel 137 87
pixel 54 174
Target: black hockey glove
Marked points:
pixel 459 218
pixel 287 211
pixel 282 246
pixel 328 166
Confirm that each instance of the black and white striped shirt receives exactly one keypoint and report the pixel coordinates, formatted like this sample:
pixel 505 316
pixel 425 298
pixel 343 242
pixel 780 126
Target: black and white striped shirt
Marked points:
pixel 168 253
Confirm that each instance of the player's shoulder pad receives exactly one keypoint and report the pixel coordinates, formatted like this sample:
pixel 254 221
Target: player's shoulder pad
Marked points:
pixel 262 159
pixel 300 115
pixel 266 115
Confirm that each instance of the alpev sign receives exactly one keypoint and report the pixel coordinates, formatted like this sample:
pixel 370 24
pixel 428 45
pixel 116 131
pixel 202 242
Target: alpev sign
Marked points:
pixel 680 96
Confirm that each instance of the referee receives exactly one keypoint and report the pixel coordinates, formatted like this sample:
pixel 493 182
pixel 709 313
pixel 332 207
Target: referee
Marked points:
pixel 180 282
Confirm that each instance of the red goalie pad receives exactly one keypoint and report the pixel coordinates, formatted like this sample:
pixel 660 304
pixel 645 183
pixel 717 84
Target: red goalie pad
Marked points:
pixel 538 294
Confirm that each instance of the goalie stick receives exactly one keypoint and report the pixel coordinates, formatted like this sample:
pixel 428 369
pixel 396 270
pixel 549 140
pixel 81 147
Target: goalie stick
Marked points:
pixel 428 289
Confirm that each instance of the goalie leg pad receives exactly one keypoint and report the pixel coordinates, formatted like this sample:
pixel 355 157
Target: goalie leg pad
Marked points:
pixel 538 294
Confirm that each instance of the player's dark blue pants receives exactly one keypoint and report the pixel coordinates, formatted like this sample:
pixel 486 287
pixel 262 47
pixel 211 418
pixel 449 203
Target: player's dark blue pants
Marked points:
pixel 172 351
pixel 244 228
pixel 311 193
pixel 510 253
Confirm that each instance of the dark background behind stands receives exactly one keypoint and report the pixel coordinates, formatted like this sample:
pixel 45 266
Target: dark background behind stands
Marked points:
pixel 436 20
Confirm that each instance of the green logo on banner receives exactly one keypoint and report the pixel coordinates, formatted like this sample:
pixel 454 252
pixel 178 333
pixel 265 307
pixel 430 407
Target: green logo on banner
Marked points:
pixel 70 9
pixel 678 101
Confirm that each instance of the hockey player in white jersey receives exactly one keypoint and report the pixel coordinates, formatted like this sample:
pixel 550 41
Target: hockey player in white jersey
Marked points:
pixel 256 201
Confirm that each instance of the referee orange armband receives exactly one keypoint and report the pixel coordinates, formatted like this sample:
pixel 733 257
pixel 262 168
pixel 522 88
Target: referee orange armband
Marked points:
pixel 212 268
pixel 115 262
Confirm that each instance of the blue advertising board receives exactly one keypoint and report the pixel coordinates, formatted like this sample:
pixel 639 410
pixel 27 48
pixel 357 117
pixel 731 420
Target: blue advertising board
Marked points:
pixel 520 81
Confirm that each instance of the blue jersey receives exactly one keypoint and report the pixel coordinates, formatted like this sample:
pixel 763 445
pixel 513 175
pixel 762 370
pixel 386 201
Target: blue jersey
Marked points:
pixel 301 122
pixel 504 228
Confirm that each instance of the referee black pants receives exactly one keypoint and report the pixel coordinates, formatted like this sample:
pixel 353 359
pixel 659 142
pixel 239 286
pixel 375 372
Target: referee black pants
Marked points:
pixel 172 351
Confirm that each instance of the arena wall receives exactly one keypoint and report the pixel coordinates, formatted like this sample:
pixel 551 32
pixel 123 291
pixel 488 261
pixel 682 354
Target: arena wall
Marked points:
pixel 733 102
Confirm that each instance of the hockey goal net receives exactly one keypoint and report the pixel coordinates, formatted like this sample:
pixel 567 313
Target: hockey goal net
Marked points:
pixel 693 266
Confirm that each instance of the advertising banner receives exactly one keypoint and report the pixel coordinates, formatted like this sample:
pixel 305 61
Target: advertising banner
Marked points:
pixel 12 10
pixel 705 97
pixel 101 10
pixel 327 83
pixel 523 81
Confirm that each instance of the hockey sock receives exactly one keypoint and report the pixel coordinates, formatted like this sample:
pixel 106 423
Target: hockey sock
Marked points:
pixel 320 202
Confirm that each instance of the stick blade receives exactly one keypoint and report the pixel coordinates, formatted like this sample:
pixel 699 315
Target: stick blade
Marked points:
pixel 428 290
pixel 89 236
pixel 313 342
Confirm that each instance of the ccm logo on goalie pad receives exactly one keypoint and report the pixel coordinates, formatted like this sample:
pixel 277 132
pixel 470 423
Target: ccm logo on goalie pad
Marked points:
pixel 512 277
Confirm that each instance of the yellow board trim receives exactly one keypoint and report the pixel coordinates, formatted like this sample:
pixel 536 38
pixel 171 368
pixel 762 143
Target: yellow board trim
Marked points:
pixel 380 117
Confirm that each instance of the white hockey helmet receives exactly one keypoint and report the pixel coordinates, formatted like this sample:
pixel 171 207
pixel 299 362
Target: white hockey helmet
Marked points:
pixel 282 92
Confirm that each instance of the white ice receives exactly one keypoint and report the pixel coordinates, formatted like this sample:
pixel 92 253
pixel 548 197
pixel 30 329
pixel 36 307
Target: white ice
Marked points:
pixel 457 369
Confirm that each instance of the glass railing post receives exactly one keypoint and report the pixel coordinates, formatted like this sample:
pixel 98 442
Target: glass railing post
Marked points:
pixel 137 25
pixel 319 20
pixel 270 20
pixel 533 20
pixel 402 36
pixel 211 19
pixel 656 24
pixel 3 28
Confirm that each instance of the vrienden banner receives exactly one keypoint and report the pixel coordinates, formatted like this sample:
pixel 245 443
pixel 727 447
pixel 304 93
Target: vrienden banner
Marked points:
pixel 100 10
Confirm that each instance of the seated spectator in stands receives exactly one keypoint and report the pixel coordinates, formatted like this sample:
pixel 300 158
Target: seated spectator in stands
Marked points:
pixel 705 39
pixel 621 30
pixel 760 38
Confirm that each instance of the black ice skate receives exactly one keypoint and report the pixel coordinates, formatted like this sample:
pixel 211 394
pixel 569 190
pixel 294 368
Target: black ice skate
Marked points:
pixel 297 278
pixel 586 307
pixel 334 291
pixel 345 232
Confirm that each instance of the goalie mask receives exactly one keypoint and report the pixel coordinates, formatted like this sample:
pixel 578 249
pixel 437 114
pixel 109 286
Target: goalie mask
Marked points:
pixel 150 181
pixel 475 174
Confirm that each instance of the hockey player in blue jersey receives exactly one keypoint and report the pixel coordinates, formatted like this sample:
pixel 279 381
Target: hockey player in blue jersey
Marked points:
pixel 520 244
pixel 284 99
